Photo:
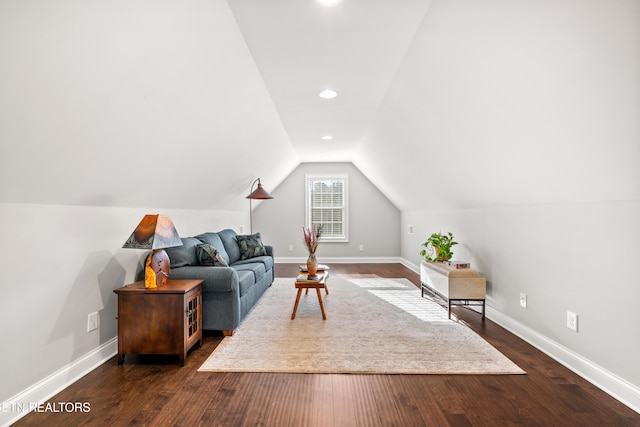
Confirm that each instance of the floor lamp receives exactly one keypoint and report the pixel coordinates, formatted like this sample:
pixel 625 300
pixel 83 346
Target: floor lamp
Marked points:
pixel 257 194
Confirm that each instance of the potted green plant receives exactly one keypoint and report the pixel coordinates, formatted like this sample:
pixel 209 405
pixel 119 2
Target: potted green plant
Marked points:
pixel 438 247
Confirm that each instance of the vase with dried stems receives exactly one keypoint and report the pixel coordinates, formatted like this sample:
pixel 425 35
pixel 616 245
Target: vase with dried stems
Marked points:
pixel 311 237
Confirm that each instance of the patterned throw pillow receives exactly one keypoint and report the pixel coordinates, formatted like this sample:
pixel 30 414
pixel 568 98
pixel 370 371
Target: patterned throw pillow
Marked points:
pixel 251 246
pixel 208 255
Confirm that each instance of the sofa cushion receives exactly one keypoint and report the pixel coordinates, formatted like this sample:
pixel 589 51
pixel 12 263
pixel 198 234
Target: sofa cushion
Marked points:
pixel 208 255
pixel 250 246
pixel 257 268
pixel 181 256
pixel 230 243
pixel 213 240
pixel 245 281
pixel 266 260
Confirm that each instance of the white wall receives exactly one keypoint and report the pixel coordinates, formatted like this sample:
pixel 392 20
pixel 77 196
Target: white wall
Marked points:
pixel 572 256
pixel 373 219
pixel 517 123
pixel 60 263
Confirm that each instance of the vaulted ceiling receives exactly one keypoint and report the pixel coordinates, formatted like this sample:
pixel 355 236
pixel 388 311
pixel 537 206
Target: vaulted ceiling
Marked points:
pixel 441 104
pixel 353 47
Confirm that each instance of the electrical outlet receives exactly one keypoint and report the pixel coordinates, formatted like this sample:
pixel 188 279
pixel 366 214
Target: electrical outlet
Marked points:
pixel 572 321
pixel 361 248
pixel 92 321
pixel 242 229
pixel 290 248
pixel 523 300
pixel 410 229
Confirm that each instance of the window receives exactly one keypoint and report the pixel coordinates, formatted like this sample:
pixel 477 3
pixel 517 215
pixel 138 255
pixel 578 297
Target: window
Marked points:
pixel 326 204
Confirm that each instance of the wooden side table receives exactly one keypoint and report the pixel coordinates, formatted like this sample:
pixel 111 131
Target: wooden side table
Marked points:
pixel 317 283
pixel 164 320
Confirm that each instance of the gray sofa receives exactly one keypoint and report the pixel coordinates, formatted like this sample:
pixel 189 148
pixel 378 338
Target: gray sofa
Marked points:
pixel 228 292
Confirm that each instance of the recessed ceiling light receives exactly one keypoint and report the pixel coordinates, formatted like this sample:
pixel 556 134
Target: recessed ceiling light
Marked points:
pixel 328 94
pixel 329 2
pixel 327 137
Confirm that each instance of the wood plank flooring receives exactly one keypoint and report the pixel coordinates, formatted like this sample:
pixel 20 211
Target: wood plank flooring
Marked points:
pixel 155 391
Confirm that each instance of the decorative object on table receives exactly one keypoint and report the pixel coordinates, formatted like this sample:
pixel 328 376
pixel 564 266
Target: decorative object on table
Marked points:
pixel 311 237
pixel 457 264
pixel 257 194
pixel 319 268
pixel 155 232
pixel 438 247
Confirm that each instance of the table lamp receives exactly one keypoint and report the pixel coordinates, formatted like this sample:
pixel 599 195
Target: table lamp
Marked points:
pixel 155 232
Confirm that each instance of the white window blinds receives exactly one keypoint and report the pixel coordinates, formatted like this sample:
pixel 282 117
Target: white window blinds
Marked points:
pixel 327 205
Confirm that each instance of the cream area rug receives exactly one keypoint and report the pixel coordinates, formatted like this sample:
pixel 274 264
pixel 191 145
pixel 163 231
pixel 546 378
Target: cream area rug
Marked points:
pixel 374 326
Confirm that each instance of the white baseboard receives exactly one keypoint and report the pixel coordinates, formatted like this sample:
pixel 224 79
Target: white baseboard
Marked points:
pixel 21 404
pixel 607 381
pixel 341 260
pixel 410 265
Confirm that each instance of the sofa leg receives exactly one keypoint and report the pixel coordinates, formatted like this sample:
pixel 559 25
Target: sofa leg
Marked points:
pixel 227 332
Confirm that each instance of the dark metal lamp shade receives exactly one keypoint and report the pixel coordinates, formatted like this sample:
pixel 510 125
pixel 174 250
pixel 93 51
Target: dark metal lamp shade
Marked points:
pixel 259 193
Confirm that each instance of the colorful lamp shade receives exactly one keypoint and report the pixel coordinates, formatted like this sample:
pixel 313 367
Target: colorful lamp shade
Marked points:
pixel 155 232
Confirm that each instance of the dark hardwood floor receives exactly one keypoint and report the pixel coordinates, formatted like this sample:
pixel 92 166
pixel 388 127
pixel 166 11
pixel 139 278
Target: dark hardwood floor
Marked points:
pixel 155 391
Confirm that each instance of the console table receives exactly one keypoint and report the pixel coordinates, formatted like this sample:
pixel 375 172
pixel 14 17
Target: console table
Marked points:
pixel 162 320
pixel 454 286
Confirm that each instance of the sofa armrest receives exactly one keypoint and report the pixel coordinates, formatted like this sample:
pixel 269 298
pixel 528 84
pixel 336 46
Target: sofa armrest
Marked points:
pixel 216 279
pixel 269 250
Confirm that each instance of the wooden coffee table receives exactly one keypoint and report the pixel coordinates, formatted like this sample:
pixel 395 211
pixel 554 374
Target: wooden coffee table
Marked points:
pixel 317 282
pixel 321 269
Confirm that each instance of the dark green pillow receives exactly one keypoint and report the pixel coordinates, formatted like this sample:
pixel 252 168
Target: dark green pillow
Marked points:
pixel 250 246
pixel 209 256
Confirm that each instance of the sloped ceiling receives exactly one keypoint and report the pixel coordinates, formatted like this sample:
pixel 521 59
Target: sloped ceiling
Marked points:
pixel 443 104
pixel 503 103
pixel 302 47
pixel 133 103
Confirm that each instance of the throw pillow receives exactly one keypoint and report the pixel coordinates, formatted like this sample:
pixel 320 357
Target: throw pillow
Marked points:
pixel 181 256
pixel 209 256
pixel 250 246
